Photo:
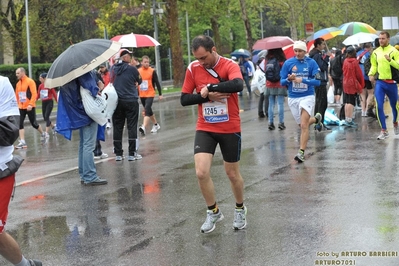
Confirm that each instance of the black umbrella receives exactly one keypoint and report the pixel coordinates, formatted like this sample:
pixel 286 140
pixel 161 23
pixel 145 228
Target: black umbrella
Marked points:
pixel 79 59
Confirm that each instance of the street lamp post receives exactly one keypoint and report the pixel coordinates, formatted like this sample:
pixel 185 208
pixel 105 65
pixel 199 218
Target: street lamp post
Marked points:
pixel 157 59
pixel 28 39
pixel 188 40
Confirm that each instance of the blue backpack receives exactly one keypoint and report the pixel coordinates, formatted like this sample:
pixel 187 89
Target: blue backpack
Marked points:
pixel 272 70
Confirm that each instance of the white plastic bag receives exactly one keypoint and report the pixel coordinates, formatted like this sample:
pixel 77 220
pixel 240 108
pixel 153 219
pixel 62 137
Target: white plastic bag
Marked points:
pixel 95 107
pixel 330 94
pixel 110 95
pixel 259 80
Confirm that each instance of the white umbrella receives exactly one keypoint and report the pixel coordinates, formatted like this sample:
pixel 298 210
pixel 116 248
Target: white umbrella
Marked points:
pixel 135 40
pixel 360 37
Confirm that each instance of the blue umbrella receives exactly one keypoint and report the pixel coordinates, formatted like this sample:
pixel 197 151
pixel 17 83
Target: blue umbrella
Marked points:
pixel 241 52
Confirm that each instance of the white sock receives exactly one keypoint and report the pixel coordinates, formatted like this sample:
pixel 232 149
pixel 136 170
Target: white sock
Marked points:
pixel 23 262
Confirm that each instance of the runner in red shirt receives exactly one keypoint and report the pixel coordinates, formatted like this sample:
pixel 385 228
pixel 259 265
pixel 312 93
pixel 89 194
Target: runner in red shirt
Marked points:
pixel 212 82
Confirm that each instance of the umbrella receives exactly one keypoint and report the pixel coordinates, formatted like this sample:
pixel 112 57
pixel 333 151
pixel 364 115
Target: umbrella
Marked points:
pixel 360 37
pixel 326 34
pixel 135 40
pixel 258 54
pixel 272 42
pixel 241 52
pixel 351 28
pixel 394 40
pixel 79 59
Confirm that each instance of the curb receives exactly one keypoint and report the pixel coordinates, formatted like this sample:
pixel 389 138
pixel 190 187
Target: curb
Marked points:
pixel 53 116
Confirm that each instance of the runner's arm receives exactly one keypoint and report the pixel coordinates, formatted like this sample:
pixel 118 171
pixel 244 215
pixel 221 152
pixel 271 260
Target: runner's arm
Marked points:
pixel 230 86
pixel 191 99
pixel 155 81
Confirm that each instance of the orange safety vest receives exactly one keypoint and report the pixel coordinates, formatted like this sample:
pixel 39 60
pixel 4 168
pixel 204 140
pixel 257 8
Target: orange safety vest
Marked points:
pixel 146 88
pixel 26 93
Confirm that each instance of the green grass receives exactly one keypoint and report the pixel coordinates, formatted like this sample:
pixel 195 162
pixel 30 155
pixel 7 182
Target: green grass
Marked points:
pixel 167 90
pixel 39 103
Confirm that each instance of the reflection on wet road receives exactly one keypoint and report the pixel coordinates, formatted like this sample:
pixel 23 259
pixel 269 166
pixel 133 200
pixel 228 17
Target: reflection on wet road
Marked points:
pixel 340 206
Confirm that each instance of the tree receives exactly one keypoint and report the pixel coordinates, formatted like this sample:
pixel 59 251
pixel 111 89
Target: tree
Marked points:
pixel 247 24
pixel 175 42
pixel 12 20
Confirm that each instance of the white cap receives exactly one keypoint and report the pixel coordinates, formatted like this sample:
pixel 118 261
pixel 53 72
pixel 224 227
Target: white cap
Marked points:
pixel 300 45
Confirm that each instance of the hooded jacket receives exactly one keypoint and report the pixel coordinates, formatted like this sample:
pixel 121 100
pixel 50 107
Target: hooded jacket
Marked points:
pixel 322 61
pixel 124 77
pixel 353 81
pixel 71 114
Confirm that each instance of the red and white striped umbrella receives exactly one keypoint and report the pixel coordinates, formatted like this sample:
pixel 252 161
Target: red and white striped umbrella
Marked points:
pixel 135 40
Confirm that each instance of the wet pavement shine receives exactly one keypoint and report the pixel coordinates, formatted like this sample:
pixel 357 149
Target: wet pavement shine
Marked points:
pixel 340 207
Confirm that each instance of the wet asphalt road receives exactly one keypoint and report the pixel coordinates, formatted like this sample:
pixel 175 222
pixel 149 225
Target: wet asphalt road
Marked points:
pixel 341 207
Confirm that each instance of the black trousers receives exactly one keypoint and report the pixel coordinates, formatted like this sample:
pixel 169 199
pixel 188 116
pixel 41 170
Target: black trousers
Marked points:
pixel 321 100
pixel 97 150
pixel 263 102
pixel 126 111
pixel 47 108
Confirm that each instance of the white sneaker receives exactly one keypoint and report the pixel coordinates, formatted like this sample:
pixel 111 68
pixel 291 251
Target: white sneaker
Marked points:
pixel 155 128
pixel 142 130
pixel 102 156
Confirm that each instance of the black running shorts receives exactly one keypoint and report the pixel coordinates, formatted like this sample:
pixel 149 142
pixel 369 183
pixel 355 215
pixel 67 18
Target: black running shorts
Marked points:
pixel 229 143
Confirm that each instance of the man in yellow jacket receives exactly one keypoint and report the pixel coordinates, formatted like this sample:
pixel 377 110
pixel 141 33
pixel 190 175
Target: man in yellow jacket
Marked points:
pixel 147 94
pixel 26 94
pixel 385 62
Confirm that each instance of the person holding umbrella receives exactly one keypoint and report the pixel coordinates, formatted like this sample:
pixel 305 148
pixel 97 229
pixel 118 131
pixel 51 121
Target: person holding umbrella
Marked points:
pixel 71 109
pixel 71 71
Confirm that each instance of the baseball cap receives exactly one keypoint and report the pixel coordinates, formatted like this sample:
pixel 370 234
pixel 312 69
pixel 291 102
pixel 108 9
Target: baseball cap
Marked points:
pixel 124 51
pixel 350 49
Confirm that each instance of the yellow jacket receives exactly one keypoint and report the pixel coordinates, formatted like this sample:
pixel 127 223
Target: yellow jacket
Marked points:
pixel 381 65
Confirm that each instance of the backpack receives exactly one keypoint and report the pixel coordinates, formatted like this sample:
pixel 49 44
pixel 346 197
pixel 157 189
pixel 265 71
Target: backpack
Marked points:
pixel 367 65
pixel 336 66
pixel 243 69
pixel 272 71
pixel 395 72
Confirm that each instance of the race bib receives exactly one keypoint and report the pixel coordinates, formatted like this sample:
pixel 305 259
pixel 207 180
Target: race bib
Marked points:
pixel 299 87
pixel 22 96
pixel 144 85
pixel 43 94
pixel 215 112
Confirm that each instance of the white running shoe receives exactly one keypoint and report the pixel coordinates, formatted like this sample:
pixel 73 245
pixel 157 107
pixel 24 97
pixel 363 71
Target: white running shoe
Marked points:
pixel 155 128
pixel 142 130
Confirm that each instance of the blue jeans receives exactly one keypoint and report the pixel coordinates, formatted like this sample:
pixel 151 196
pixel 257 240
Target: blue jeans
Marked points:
pixel 88 137
pixel 272 103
